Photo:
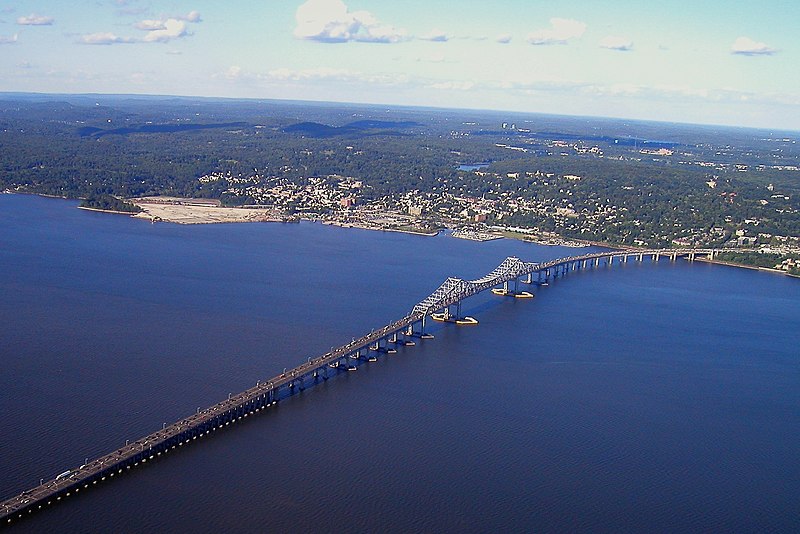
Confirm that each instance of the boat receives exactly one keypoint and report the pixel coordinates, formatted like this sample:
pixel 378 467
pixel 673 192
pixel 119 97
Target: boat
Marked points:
pixel 441 317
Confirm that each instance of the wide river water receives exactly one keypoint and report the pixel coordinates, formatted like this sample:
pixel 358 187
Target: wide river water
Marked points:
pixel 642 398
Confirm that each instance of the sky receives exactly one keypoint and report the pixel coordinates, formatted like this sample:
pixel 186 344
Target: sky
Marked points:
pixel 731 62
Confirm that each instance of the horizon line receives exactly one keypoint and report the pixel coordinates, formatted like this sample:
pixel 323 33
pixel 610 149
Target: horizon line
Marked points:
pixel 402 106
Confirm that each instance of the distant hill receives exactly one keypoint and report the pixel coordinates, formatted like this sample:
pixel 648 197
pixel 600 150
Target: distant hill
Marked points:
pixel 354 129
pixel 91 131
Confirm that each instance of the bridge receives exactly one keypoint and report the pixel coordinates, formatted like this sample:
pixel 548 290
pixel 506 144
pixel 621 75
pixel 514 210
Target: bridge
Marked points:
pixel 402 332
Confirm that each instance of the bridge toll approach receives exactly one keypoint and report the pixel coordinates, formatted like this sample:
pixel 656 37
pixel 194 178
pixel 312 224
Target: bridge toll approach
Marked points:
pixel 361 351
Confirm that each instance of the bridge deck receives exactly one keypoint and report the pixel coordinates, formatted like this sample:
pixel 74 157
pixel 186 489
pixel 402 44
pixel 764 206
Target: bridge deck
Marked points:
pixel 264 393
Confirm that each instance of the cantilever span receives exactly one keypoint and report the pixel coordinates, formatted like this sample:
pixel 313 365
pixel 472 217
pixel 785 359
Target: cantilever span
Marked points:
pixel 345 358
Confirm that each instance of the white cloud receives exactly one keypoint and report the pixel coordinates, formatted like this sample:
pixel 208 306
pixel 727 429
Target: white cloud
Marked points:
pixel 35 20
pixel 157 31
pixel 103 38
pixel 620 89
pixel 8 40
pixel 560 32
pixel 330 21
pixel 233 72
pixel 503 38
pixel 192 16
pixel 162 31
pixel 436 35
pixel 173 29
pixel 453 85
pixel 613 42
pixel 748 47
pixel 149 25
pixel 331 74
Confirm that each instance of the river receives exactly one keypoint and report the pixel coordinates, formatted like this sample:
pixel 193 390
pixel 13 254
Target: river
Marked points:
pixel 642 398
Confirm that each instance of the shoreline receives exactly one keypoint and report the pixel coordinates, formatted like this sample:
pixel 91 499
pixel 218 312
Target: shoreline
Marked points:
pixel 379 229
pixel 115 212
pixel 751 267
pixel 147 216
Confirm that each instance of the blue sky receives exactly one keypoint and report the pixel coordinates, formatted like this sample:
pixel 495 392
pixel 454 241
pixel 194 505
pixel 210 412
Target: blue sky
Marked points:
pixel 702 61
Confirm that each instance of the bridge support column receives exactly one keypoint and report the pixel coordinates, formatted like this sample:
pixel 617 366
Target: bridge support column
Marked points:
pixel 597 262
pixel 639 258
pixel 691 256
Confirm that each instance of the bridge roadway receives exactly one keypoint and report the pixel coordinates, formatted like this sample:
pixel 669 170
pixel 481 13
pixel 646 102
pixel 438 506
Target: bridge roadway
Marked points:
pixel 265 394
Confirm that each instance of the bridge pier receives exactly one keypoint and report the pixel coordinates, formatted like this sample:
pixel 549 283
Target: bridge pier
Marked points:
pixel 506 292
pixel 421 334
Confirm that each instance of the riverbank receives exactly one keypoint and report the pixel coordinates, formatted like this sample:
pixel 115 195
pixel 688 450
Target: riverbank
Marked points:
pixel 115 212
pixel 207 211
pixel 377 228
pixel 751 267
pixel 199 211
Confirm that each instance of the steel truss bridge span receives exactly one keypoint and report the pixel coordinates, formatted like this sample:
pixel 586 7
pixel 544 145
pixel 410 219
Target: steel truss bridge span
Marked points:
pixel 264 394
